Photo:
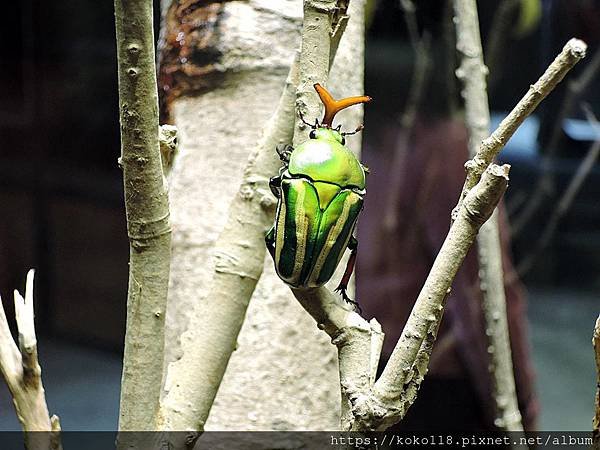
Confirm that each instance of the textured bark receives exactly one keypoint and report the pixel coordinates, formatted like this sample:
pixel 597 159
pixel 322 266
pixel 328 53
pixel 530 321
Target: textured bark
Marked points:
pixel 545 185
pixel 472 72
pixel 23 375
pixel 410 356
pixel 254 388
pixel 314 60
pixel 147 209
pixel 571 54
pixel 376 405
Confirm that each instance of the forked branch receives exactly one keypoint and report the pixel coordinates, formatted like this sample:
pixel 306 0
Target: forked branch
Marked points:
pixel 192 381
pixel 23 374
pixel 376 405
pixel 570 55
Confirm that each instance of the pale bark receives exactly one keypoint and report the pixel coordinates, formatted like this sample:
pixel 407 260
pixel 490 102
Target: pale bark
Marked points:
pixel 545 185
pixel 596 419
pixel 23 375
pixel 314 60
pixel 147 211
pixel 315 56
pixel 255 387
pixel 472 72
pixel 376 405
pixel 239 261
pixel 571 54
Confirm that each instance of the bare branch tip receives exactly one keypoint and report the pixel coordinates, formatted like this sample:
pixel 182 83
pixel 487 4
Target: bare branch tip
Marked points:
pixel 499 171
pixel 55 423
pixel 576 47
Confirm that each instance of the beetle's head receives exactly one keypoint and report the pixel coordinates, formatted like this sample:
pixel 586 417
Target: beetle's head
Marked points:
pixel 325 130
pixel 328 134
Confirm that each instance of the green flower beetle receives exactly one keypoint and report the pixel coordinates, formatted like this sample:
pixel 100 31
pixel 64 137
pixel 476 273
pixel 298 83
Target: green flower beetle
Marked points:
pixel 320 191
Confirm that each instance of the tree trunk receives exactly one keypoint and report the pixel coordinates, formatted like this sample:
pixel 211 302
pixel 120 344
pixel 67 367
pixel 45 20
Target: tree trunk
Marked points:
pixel 283 374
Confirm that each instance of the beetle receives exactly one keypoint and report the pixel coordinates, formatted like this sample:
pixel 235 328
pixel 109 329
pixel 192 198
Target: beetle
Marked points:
pixel 320 191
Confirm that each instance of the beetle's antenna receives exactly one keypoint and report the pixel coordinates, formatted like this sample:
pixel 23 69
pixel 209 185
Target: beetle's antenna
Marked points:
pixel 358 128
pixel 307 123
pixel 333 106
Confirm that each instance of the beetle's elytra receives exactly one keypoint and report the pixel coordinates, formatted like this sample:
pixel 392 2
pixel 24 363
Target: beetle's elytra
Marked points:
pixel 320 190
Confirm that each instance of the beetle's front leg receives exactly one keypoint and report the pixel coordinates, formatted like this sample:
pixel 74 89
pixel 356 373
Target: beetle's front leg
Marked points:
pixel 270 242
pixel 284 151
pixel 343 286
pixel 275 185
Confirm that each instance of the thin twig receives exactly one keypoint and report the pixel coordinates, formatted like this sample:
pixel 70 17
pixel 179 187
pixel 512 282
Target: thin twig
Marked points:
pixel 147 210
pixel 472 72
pixel 23 374
pixel 385 403
pixel 476 209
pixel 376 406
pixel 545 184
pixel 570 55
pixel 565 202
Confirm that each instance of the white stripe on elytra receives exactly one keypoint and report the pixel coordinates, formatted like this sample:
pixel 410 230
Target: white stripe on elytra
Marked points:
pixel 332 236
pixel 301 232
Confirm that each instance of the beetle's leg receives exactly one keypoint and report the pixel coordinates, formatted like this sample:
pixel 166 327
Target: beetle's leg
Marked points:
pixel 284 151
pixel 270 241
pixel 353 247
pixel 275 185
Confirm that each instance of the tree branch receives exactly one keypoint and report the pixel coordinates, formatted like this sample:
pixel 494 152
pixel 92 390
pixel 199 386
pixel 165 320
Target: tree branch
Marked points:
pixel 192 381
pixel 373 406
pixel 376 406
pixel 315 56
pixel 571 54
pixel 23 374
pixel 472 72
pixel 545 183
pixel 477 207
pixel 147 210
pixel 359 344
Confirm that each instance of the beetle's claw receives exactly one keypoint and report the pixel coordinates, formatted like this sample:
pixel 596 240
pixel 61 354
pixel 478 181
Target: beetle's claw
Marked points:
pixel 342 290
pixel 284 151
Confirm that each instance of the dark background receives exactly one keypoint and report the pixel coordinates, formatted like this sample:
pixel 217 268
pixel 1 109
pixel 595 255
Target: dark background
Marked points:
pixel 61 195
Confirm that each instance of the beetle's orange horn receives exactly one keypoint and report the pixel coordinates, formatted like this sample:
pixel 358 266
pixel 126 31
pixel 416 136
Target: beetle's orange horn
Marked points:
pixel 333 106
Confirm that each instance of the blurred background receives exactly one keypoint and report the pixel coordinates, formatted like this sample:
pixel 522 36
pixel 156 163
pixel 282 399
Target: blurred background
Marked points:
pixel 62 207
